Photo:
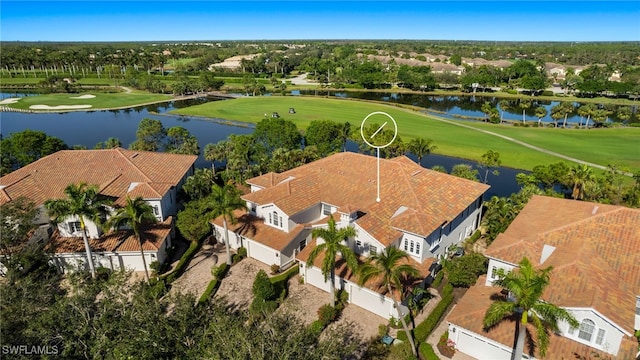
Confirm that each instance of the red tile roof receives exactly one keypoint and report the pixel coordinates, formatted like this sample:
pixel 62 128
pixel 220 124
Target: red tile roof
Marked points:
pixel 348 180
pixel 254 228
pixel 596 256
pixel 115 241
pixel 469 313
pixel 113 170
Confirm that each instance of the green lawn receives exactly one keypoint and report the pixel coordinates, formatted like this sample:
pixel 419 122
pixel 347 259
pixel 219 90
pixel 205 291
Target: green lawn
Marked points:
pixel 101 100
pixel 602 146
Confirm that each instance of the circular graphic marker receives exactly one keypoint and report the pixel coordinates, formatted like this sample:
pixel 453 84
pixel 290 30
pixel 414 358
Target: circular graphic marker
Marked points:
pixel 371 139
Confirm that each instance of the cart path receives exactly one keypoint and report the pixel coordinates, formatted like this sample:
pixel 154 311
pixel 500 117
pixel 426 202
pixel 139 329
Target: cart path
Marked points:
pixel 522 143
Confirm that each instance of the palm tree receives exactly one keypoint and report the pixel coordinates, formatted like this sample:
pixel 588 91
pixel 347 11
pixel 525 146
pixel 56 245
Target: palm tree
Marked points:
pixel 224 201
pixel 505 105
pixel 135 214
pixel 524 302
pixel 524 105
pixel 586 110
pixel 332 246
pixel 541 112
pixel 579 177
pixel 421 147
pixel 82 201
pixel 390 267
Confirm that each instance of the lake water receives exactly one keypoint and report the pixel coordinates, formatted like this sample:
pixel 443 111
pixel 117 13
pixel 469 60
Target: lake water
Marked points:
pixel 90 127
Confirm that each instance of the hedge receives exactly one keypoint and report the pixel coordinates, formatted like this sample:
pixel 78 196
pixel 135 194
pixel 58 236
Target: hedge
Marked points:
pixel 422 331
pixel 182 264
pixel 438 279
pixel 285 276
pixel 427 352
pixel 210 291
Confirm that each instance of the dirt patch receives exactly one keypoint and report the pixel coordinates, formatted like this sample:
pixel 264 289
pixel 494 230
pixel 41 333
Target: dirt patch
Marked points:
pixel 236 287
pixel 304 300
pixel 197 275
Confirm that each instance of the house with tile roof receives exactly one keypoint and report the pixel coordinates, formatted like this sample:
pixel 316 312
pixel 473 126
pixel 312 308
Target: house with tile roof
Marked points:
pixel 119 173
pixel 421 211
pixel 594 250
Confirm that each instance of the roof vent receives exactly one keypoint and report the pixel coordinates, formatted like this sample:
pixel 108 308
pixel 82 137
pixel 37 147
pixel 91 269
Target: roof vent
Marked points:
pixel 547 250
pixel 416 172
pixel 595 210
pixel 134 155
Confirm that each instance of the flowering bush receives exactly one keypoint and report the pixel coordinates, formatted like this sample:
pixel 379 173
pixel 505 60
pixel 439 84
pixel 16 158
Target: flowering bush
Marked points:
pixel 446 346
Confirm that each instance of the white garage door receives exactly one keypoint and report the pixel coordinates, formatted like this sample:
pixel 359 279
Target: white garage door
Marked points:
pixel 260 252
pixel 473 345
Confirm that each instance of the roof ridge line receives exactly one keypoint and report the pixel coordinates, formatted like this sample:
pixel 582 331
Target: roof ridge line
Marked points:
pixel 581 221
pixel 126 158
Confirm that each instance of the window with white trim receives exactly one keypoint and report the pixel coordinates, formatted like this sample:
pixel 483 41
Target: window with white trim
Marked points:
pixel 303 244
pixel 418 248
pixel 156 210
pixel 600 336
pixel 326 209
pixel 275 219
pixel 586 330
pixel 406 245
pixel 373 250
pixel 74 226
pixel 358 243
pixel 494 271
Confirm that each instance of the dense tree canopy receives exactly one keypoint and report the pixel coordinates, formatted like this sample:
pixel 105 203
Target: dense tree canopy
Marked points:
pixel 22 148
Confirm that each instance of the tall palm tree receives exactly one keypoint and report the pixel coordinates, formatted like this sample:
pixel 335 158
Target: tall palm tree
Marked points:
pixel 84 202
pixel 135 214
pixel 587 110
pixel 421 147
pixel 525 287
pixel 505 105
pixel 224 201
pixel 541 112
pixel 579 176
pixel 332 246
pixel 524 105
pixel 390 267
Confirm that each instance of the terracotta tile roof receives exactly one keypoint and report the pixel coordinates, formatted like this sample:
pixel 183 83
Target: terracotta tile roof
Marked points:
pixel 374 284
pixel 596 256
pixel 254 228
pixel 470 310
pixel 349 180
pixel 113 170
pixel 115 241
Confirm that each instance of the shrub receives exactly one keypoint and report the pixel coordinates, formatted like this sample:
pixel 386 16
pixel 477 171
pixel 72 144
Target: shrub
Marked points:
pixel 383 330
pixel 155 266
pixel 445 346
pixel 275 268
pixel 263 289
pixel 262 307
pixel 464 271
pixel 219 272
pixel 285 276
pixel 342 298
pixel 211 289
pixel 547 93
pixel 235 258
pixel 316 327
pixel 242 252
pixel 327 314
pixel 511 91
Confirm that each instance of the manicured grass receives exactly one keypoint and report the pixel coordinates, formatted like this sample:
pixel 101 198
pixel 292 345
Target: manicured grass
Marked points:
pixel 101 100
pixel 618 146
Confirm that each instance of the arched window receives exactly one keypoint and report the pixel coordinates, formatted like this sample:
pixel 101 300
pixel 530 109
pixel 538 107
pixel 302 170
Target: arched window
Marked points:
pixel 275 218
pixel 586 330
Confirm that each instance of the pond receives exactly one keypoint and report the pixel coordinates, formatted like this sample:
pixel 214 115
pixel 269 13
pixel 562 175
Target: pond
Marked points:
pixel 90 127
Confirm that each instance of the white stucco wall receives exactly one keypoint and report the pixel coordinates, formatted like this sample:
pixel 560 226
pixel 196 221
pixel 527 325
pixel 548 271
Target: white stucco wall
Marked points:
pixel 92 230
pixel 366 239
pixel 130 260
pixel 612 336
pixel 283 219
pixel 496 264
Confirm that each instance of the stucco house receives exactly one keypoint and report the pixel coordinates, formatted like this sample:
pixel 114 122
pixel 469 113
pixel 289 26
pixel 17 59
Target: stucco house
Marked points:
pixel 118 173
pixel 594 250
pixel 421 211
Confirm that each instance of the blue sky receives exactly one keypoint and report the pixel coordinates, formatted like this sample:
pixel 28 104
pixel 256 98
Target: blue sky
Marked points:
pixel 266 20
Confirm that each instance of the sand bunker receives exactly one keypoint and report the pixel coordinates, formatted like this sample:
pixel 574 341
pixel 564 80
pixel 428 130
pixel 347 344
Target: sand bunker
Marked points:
pixel 59 107
pixel 9 101
pixel 87 96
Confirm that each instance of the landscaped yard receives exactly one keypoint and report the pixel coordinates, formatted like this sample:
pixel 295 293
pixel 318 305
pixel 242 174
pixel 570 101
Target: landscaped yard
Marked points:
pixel 600 146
